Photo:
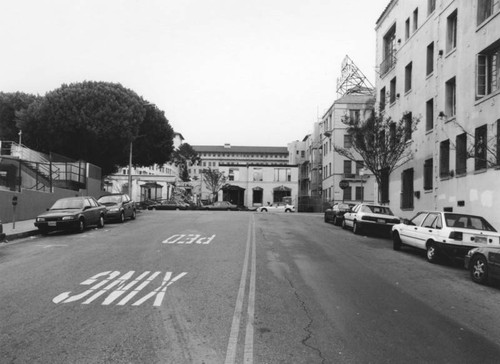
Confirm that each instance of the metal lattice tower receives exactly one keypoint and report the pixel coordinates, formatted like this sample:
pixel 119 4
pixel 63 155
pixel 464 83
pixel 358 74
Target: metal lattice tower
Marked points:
pixel 352 81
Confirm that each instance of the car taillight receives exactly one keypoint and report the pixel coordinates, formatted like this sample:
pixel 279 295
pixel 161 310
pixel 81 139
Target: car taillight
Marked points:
pixel 456 235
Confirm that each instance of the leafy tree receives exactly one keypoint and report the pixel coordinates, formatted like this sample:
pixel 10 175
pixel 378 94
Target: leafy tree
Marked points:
pixel 214 180
pixel 10 104
pixel 154 144
pixel 183 158
pixel 381 143
pixel 96 122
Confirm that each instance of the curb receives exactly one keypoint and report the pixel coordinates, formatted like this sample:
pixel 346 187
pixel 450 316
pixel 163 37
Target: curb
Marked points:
pixel 7 238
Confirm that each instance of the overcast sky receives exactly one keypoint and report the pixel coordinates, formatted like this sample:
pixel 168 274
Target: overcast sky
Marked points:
pixel 245 72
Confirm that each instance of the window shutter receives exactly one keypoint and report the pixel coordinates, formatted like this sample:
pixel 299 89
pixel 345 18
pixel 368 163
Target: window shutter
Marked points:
pixel 481 75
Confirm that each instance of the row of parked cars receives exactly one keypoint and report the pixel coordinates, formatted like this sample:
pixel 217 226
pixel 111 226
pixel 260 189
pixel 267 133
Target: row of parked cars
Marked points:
pixel 439 234
pixel 218 206
pixel 78 213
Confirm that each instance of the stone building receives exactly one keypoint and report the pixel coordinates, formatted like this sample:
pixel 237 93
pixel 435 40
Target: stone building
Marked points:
pixel 439 64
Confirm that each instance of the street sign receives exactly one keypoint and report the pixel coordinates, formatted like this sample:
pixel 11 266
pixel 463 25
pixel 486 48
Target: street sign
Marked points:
pixel 344 184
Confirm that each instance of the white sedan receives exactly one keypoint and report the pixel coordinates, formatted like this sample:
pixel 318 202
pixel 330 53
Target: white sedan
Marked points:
pixel 444 233
pixel 365 216
pixel 277 207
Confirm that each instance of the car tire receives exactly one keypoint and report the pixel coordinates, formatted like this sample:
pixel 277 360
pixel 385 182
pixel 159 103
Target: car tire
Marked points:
pixel 43 231
pixel 288 210
pixel 100 223
pixel 263 210
pixel 335 220
pixel 122 217
pixel 344 226
pixel 479 270
pixel 81 226
pixel 134 214
pixel 396 241
pixel 355 228
pixel 431 253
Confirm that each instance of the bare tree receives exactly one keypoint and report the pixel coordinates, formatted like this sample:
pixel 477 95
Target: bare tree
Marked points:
pixel 381 143
pixel 214 180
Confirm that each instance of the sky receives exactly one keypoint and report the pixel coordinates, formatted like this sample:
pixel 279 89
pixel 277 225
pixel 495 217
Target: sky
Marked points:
pixel 244 72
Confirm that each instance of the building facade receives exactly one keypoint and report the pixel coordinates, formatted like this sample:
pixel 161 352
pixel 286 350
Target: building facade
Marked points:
pixel 358 183
pixel 254 175
pixel 439 65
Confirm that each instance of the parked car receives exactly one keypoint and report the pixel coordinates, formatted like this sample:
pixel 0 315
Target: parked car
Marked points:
pixel 444 233
pixel 2 235
pixel 221 206
pixel 365 216
pixel 277 207
pixel 169 205
pixel 119 206
pixel 483 263
pixel 72 213
pixel 335 213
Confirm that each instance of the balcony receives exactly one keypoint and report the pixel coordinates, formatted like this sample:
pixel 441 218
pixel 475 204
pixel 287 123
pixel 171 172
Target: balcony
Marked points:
pixel 387 64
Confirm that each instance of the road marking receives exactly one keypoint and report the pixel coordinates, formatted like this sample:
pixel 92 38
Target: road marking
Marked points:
pixel 120 285
pixel 189 239
pixel 235 326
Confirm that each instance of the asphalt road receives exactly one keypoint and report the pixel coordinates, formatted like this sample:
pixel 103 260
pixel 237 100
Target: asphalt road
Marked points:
pixel 237 287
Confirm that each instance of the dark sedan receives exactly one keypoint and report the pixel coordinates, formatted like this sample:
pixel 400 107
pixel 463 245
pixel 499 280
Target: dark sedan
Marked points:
pixel 72 213
pixel 335 214
pixel 221 206
pixel 119 207
pixel 483 263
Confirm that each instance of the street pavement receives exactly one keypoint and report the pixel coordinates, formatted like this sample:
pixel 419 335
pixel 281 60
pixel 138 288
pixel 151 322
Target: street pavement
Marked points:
pixel 18 230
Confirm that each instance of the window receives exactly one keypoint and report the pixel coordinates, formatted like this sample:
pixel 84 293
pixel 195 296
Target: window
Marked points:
pixel 407 189
pixel 444 159
pixel 480 153
pixel 451 30
pixel 415 19
pixel 347 167
pixel 451 98
pixel 347 194
pixel 392 134
pixel 234 174
pixel 257 195
pixel 488 71
pixel 461 154
pixel 347 141
pixel 392 91
pixel 359 193
pixel 484 10
pixel 282 174
pixel 431 6
pixel 359 166
pixel 428 166
pixel 382 99
pixel 430 59
pixel 408 71
pixel 408 117
pixel 429 115
pixel 354 115
pixel 407 29
pixel 257 174
pixel 389 44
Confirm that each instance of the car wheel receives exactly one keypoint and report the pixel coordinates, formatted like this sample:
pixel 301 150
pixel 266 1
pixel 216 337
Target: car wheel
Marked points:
pixel 432 254
pixel 43 231
pixel 355 228
pixel 263 210
pixel 344 226
pixel 479 270
pixel 81 226
pixel 100 224
pixel 122 217
pixel 335 220
pixel 287 210
pixel 134 213
pixel 396 241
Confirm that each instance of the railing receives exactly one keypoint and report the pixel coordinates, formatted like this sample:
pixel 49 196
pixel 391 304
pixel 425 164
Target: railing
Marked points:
pixel 387 64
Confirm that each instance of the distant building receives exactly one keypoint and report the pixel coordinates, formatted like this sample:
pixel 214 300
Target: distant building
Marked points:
pixel 439 61
pixel 255 175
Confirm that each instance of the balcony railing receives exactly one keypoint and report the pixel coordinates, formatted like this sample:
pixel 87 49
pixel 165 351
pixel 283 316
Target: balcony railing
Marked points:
pixel 387 64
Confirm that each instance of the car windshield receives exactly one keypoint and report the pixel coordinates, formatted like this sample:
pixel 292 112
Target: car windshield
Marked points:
pixel 110 199
pixel 68 203
pixel 377 209
pixel 468 222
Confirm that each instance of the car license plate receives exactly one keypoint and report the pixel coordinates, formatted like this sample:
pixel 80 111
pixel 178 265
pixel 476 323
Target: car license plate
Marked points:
pixel 381 221
pixel 480 239
pixel 52 223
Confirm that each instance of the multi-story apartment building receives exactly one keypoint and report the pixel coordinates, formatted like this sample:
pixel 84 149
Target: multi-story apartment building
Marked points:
pixel 439 63
pixel 358 183
pixel 255 175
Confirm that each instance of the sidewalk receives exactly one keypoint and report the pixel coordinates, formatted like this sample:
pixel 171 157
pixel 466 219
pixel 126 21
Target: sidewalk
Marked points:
pixel 22 229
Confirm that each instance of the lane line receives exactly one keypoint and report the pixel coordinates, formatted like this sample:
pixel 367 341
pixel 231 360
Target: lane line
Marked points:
pixel 235 326
pixel 248 350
